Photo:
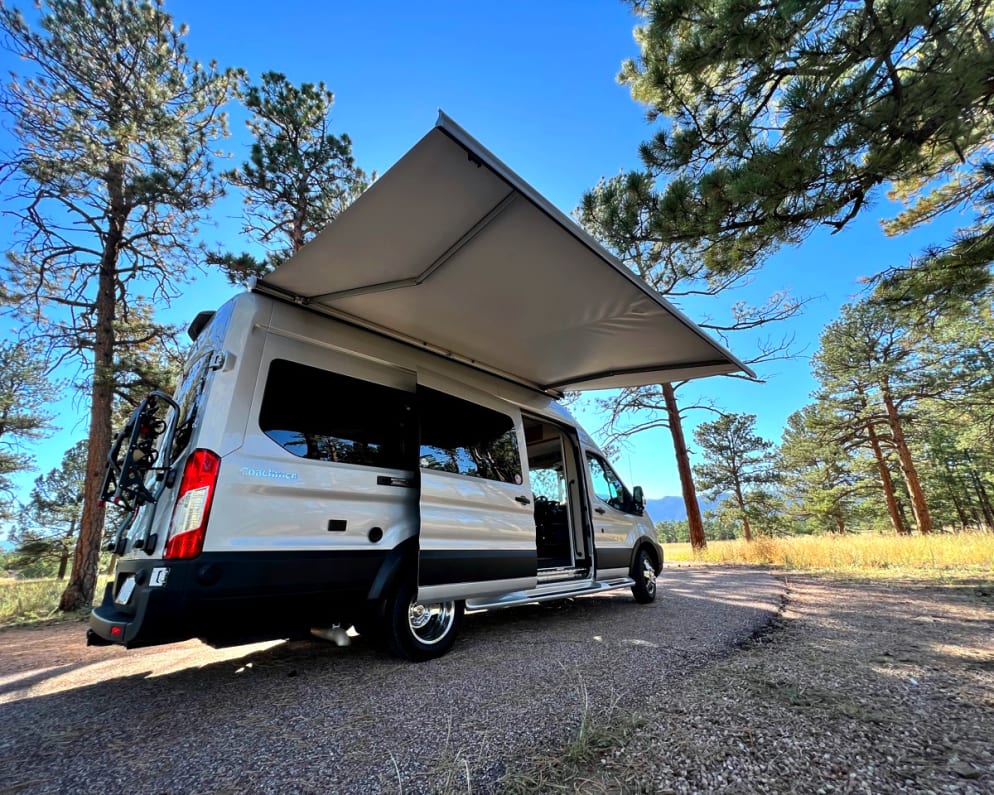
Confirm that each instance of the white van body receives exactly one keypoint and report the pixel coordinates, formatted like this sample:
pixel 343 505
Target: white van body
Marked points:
pixel 339 456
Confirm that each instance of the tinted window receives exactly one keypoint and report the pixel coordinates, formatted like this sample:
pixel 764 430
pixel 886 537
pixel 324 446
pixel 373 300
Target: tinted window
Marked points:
pixel 316 414
pixel 189 396
pixel 608 486
pixel 462 437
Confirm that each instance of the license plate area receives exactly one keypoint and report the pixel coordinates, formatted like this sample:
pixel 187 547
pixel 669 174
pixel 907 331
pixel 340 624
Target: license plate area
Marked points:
pixel 125 589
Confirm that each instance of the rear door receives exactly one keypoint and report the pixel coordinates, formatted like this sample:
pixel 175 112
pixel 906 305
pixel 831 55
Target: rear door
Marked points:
pixel 477 532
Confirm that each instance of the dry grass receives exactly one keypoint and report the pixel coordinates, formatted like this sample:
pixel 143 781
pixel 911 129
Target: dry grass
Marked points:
pixel 35 601
pixel 959 553
pixel 25 601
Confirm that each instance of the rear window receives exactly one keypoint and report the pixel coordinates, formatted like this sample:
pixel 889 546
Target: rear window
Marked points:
pixel 190 398
pixel 466 438
pixel 196 376
pixel 326 416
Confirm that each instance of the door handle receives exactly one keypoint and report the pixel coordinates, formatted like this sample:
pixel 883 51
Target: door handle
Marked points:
pixel 599 510
pixel 386 480
pixel 523 500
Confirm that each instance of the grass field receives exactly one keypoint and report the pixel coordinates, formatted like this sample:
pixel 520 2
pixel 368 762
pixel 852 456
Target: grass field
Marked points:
pixel 33 601
pixel 962 553
pixel 26 601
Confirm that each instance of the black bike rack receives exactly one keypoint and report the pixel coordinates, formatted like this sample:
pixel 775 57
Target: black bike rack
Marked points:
pixel 126 474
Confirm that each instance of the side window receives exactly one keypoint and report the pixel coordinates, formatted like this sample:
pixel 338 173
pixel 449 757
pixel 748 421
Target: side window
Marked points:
pixel 325 416
pixel 468 439
pixel 607 486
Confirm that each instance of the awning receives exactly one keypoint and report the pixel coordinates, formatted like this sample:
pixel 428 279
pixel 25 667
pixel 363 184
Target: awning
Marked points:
pixel 451 250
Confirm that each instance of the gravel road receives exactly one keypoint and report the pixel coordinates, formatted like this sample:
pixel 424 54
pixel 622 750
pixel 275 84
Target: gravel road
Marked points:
pixel 312 717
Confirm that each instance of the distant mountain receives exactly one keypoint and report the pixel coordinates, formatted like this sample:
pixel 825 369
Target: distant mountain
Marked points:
pixel 672 509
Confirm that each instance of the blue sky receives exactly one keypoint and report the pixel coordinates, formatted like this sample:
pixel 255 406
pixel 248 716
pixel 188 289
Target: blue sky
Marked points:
pixel 535 83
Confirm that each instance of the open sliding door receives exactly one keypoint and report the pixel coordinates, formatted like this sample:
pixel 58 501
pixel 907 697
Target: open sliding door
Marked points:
pixel 477 523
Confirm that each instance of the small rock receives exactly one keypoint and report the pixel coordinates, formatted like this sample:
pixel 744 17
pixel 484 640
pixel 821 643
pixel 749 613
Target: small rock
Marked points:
pixel 964 769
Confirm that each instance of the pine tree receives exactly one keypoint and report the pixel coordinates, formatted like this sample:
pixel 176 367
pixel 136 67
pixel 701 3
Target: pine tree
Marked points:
pixel 299 177
pixel 48 527
pixel 785 116
pixel 116 127
pixel 819 472
pixel 735 460
pixel 868 355
pixel 24 392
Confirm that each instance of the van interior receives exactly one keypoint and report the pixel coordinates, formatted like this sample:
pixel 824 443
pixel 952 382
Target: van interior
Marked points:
pixel 554 471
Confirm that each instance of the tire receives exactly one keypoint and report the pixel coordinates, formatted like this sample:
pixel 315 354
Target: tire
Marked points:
pixel 418 631
pixel 644 574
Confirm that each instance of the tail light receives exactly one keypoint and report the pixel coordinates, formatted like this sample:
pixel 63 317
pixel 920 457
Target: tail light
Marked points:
pixel 193 505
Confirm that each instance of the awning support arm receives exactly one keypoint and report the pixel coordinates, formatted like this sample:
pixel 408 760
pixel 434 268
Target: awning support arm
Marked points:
pixel 447 255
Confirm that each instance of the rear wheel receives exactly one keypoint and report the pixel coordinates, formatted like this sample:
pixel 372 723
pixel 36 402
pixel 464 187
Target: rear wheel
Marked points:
pixel 644 574
pixel 421 630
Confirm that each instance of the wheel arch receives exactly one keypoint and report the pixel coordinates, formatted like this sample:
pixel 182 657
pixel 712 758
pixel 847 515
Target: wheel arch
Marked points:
pixel 399 560
pixel 653 550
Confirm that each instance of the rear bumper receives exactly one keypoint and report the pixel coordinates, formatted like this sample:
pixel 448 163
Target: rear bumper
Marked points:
pixel 226 598
pixel 108 626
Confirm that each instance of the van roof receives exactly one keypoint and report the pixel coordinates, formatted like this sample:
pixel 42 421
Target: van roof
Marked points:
pixel 452 251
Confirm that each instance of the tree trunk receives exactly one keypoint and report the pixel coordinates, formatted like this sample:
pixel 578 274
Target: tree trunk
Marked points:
pixel 982 495
pixel 904 515
pixel 954 484
pixel 886 483
pixel 985 503
pixel 299 217
pixel 919 508
pixel 83 579
pixel 742 507
pixel 695 524
pixel 63 565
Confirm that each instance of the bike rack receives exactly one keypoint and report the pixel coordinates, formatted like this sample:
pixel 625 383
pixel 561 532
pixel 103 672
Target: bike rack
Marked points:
pixel 126 475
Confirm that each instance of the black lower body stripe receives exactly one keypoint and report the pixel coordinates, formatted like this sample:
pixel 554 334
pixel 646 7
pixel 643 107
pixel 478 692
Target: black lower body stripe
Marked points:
pixel 443 566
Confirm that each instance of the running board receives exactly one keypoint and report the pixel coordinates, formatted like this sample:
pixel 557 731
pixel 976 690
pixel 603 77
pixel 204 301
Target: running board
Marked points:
pixel 545 595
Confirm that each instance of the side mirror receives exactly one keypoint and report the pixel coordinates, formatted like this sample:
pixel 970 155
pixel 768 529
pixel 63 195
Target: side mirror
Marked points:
pixel 638 497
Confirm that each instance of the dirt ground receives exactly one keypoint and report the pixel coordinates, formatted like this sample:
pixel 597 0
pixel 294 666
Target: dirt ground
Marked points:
pixel 860 687
pixel 735 681
pixel 315 718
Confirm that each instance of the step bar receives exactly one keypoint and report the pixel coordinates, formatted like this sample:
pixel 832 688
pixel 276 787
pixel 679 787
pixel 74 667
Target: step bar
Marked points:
pixel 548 594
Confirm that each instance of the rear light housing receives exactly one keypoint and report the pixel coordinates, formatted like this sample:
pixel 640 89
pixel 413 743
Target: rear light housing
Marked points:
pixel 193 506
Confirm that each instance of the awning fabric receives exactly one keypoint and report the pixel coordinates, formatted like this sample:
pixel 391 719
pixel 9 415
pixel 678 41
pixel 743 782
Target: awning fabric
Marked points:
pixel 451 250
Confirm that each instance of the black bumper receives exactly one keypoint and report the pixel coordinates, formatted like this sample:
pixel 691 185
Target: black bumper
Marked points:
pixel 228 598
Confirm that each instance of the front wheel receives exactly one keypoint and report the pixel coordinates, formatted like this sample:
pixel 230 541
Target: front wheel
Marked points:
pixel 644 574
pixel 421 631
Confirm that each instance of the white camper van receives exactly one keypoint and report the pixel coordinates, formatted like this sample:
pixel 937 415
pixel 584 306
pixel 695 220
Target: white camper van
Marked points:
pixel 371 436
